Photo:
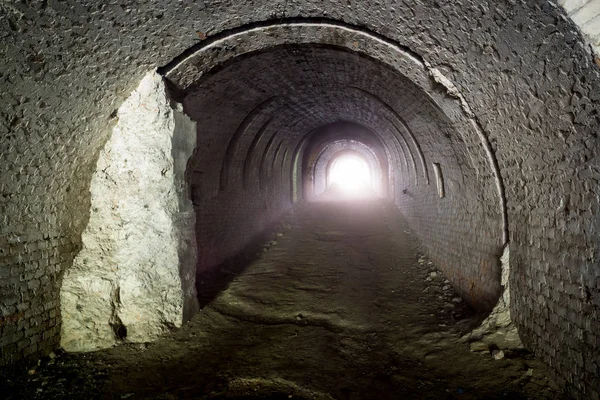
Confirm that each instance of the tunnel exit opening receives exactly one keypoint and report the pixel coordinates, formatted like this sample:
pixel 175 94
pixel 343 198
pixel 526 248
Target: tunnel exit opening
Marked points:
pixel 350 176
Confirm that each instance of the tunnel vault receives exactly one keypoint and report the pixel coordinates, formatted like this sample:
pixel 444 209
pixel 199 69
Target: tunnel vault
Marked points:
pixel 291 84
pixel 423 119
pixel 502 99
pixel 189 68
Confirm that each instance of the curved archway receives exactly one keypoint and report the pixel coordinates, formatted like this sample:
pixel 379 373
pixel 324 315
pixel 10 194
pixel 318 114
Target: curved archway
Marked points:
pixel 351 174
pixel 325 141
pixel 185 71
pixel 323 167
pixel 431 126
pixel 517 122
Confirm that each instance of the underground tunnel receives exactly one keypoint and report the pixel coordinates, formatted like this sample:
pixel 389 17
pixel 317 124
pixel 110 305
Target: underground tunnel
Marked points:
pixel 299 199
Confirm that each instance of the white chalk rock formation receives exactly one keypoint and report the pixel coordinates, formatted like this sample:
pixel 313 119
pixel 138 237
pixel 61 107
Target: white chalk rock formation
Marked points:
pixel 498 329
pixel 134 276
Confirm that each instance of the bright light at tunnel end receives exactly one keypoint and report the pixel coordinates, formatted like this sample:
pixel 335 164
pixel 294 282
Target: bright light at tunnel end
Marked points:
pixel 351 176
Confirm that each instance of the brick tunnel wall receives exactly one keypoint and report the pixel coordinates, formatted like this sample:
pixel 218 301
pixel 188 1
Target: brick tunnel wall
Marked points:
pixel 240 173
pixel 461 232
pixel 328 142
pixel 229 221
pixel 522 67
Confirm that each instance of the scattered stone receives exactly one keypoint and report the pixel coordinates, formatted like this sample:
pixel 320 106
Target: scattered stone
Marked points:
pixel 457 300
pixel 52 355
pixel 433 274
pixel 498 354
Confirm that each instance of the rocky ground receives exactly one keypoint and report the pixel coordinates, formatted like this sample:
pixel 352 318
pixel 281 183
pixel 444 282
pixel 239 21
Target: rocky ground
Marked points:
pixel 340 304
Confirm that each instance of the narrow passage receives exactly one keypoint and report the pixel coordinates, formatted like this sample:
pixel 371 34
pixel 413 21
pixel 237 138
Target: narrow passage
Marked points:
pixel 339 305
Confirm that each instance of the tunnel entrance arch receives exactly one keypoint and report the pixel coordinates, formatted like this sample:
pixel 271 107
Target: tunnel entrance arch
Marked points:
pixel 472 170
pixel 202 60
pixel 540 149
pixel 226 180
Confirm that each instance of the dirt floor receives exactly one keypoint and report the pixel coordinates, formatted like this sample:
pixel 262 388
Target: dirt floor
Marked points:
pixel 340 304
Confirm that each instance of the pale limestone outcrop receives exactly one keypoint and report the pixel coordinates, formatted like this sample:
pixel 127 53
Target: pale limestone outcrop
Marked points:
pixel 134 276
pixel 498 329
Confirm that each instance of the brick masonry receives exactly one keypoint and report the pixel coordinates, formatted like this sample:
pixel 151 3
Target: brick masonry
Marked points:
pixel 523 69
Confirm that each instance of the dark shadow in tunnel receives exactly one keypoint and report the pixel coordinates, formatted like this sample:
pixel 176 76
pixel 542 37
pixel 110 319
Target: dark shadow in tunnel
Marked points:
pixel 211 282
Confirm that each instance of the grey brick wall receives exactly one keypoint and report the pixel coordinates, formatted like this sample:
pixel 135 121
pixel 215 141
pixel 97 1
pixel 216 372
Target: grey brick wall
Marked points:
pixel 30 276
pixel 524 70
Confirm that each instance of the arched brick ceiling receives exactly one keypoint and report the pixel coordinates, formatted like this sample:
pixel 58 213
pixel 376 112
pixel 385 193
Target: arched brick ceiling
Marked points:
pixel 521 71
pixel 318 86
pixel 292 91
